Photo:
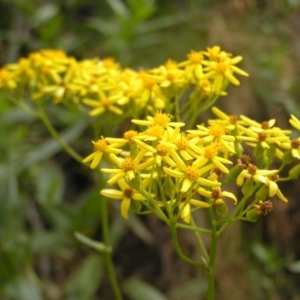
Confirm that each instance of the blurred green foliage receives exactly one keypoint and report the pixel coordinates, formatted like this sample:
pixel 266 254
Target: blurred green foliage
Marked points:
pixel 45 196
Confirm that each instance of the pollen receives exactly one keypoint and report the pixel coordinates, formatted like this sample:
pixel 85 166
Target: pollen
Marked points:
pixel 192 173
pixel 128 193
pixel 215 194
pixel 222 67
pixel 295 143
pixel 161 150
pixel 263 207
pixel 182 144
pixel 4 75
pixel 100 145
pixel 195 57
pixel 211 150
pixel 155 131
pixel 105 103
pixel 216 130
pixel 109 63
pixel 162 119
pixel 262 136
pixel 213 53
pixel 265 125
pixel 128 164
pixel 252 169
pixel 171 65
pixel 233 119
pixel 129 135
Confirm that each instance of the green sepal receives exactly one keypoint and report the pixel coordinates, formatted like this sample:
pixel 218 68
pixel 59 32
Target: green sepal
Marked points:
pixel 269 155
pixel 247 188
pixel 251 215
pixel 259 152
pixel 287 157
pixel 262 194
pixel 222 209
pixel 294 172
pixel 232 175
pixel 136 206
pixel 135 183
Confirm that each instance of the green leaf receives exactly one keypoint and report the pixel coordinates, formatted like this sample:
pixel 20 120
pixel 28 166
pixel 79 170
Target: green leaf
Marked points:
pixel 84 281
pixel 136 289
pixel 45 13
pixel 49 183
pixel 99 246
pixel 192 289
pixel 119 8
pixel 24 287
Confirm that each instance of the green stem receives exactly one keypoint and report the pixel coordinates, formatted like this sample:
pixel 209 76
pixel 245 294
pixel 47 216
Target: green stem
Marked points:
pixel 56 136
pixel 212 256
pixel 200 242
pixel 179 251
pixel 194 228
pixel 108 255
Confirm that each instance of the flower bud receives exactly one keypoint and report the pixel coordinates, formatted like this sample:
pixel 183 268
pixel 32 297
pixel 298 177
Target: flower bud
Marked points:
pixel 251 215
pixel 247 188
pixel 222 209
pixel 294 172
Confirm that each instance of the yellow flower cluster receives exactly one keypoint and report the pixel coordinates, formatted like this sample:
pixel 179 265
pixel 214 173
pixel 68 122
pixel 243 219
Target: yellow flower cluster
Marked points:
pixel 164 166
pixel 102 85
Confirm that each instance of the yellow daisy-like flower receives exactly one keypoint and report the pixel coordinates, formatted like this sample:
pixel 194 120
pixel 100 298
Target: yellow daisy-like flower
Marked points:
pixel 216 195
pixel 295 122
pixel 210 153
pixel 6 79
pixel 189 173
pixel 126 195
pixel 103 104
pixel 101 147
pixel 223 69
pixel 161 119
pixel 253 172
pixel 127 167
pixel 274 189
pixel 215 132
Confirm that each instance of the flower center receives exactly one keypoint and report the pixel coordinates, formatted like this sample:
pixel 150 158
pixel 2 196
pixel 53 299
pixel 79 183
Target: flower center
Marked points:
pixel 192 173
pixel 161 150
pixel 100 145
pixel 128 193
pixel 128 164
pixel 195 57
pixel 161 119
pixel 182 144
pixel 216 130
pixel 129 135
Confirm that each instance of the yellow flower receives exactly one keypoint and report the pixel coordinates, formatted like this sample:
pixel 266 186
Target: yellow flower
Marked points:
pixel 102 104
pixel 127 167
pixel 222 69
pixel 274 189
pixel 101 147
pixel 193 65
pixel 295 122
pixel 6 79
pixel 169 74
pixel 189 173
pixel 210 153
pixel 253 172
pixel 126 195
pixel 217 195
pixel 215 132
pixel 161 119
